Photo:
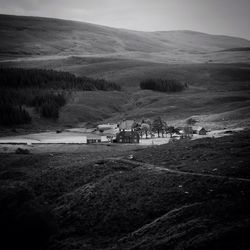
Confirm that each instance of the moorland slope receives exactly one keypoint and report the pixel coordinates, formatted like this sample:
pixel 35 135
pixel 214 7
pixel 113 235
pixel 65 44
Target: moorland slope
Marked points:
pixel 216 69
pixel 80 200
pixel 36 36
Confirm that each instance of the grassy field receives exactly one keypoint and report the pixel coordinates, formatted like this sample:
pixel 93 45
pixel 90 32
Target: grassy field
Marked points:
pixel 90 199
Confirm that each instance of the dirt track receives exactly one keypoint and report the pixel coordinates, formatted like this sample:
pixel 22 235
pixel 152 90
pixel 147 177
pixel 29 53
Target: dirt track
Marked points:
pixel 160 168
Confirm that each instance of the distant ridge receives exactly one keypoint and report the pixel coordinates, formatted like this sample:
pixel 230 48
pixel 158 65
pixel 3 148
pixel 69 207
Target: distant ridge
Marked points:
pixel 237 49
pixel 23 36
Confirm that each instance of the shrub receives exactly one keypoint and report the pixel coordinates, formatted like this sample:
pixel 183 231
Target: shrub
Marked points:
pixel 22 151
pixel 163 85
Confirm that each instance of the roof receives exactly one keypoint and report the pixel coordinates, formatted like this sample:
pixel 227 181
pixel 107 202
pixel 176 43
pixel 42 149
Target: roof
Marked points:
pixel 107 126
pixel 129 133
pixel 93 136
pixel 127 124
pixel 80 130
pixel 111 132
pixel 203 129
pixel 197 128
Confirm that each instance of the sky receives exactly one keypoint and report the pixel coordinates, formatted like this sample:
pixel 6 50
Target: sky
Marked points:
pixel 225 17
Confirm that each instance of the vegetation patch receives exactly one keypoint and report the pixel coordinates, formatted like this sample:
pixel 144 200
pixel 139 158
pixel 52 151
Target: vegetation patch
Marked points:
pixel 22 151
pixel 45 90
pixel 13 115
pixel 113 204
pixel 163 85
pixel 232 74
pixel 51 79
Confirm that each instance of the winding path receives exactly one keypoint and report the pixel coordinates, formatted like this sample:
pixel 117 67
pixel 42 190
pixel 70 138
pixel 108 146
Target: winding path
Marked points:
pixel 160 168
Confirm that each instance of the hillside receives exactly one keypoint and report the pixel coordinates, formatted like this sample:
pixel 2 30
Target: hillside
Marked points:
pixel 87 200
pixel 188 194
pixel 218 94
pixel 216 69
pixel 36 36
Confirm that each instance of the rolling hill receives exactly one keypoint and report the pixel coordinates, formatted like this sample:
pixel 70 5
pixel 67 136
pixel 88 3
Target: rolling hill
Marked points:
pixel 215 67
pixel 36 36
pixel 191 194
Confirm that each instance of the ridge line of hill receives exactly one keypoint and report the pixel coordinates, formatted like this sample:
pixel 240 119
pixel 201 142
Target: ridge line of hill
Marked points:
pixel 124 29
pixel 23 36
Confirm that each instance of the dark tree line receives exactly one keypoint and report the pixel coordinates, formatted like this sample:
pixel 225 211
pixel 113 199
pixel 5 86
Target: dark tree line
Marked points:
pixel 159 126
pixel 45 90
pixel 49 104
pixel 42 78
pixel 12 101
pixel 13 115
pixel 163 85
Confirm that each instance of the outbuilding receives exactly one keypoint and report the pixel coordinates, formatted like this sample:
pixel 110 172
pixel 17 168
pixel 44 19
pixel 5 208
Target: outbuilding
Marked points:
pixel 128 137
pixel 202 131
pixel 93 138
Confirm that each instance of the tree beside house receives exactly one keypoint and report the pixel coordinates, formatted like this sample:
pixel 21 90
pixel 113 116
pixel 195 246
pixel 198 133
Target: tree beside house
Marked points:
pixel 158 126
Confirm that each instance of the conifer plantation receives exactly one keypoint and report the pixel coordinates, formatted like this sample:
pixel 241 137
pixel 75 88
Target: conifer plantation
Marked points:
pixel 163 85
pixel 45 90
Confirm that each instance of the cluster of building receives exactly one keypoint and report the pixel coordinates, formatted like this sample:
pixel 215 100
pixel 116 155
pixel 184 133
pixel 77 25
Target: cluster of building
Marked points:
pixel 127 132
pixel 115 133
pixel 189 131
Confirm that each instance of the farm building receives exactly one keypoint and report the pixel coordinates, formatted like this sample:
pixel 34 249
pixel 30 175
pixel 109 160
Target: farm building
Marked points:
pixel 81 130
pixel 111 134
pixel 198 130
pixel 107 135
pixel 95 138
pixel 128 137
pixel 202 131
pixel 107 126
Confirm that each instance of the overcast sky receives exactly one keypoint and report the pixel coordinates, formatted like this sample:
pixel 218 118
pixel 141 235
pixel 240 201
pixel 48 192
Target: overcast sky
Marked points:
pixel 228 17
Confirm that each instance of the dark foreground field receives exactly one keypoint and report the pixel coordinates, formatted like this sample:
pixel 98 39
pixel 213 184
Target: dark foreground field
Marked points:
pixel 184 195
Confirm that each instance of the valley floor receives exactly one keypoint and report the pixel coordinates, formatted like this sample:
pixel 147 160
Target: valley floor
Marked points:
pixel 73 141
pixel 218 94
